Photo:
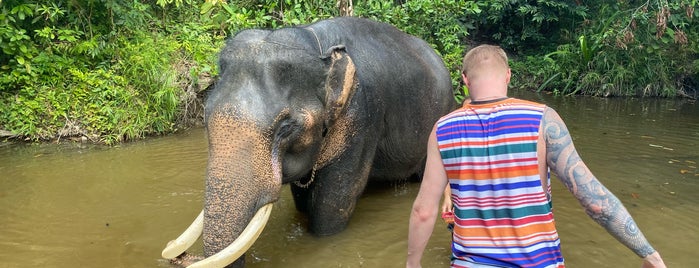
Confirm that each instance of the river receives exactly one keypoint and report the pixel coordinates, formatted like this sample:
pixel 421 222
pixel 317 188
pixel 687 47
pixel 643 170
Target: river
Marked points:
pixel 73 205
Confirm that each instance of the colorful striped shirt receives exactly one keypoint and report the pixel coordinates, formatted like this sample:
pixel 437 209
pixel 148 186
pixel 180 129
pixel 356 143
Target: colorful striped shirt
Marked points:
pixel 503 214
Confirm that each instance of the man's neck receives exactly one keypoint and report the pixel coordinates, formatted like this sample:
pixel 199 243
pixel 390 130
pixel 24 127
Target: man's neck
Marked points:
pixel 490 99
pixel 486 90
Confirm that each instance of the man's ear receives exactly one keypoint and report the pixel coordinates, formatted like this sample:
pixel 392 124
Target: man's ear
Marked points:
pixel 507 77
pixel 464 78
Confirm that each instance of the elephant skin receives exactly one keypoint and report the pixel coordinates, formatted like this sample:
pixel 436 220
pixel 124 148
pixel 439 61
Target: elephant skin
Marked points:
pixel 325 107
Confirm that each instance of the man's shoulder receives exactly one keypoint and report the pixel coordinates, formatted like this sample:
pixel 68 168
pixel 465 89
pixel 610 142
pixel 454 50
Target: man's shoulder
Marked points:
pixel 455 113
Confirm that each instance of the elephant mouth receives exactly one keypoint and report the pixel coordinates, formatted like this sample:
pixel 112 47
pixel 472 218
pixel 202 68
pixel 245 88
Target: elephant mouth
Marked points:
pixel 229 254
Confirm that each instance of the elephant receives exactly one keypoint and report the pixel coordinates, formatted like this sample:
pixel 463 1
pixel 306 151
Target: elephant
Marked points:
pixel 325 107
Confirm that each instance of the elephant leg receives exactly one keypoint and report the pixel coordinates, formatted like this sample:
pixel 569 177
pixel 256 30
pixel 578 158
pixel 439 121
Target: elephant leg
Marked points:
pixel 336 190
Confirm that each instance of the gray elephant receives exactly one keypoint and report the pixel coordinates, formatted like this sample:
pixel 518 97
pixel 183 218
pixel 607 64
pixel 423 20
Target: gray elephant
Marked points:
pixel 325 107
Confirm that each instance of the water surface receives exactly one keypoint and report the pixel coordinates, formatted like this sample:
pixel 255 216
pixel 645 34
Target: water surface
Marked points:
pixel 72 205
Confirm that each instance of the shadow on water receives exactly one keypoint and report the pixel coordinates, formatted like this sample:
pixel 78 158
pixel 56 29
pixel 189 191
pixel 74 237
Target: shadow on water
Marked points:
pixel 69 205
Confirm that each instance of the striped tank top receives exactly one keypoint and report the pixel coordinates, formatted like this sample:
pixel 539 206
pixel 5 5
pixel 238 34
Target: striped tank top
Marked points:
pixel 503 215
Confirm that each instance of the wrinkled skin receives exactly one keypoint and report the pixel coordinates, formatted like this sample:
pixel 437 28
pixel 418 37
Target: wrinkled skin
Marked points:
pixel 347 99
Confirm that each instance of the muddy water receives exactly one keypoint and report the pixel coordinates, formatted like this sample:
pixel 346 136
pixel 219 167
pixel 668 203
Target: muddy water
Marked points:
pixel 90 206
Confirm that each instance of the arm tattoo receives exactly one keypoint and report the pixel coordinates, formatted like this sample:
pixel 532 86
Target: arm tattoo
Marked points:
pixel 599 203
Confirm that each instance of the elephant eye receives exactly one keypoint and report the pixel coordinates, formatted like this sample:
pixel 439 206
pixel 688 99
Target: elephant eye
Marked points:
pixel 286 129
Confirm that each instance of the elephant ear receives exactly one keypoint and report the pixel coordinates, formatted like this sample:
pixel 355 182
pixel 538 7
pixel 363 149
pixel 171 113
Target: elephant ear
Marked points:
pixel 340 83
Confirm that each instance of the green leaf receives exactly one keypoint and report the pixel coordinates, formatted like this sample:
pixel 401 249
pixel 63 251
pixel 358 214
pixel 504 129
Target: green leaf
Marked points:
pixel 228 8
pixel 206 7
pixel 670 31
pixel 665 40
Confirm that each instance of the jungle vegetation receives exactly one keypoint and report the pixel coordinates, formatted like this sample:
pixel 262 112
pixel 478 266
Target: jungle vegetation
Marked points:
pixel 117 70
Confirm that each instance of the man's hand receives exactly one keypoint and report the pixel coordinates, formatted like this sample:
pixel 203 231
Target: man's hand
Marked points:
pixel 447 206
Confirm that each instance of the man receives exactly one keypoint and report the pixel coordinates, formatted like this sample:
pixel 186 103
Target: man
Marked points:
pixel 495 152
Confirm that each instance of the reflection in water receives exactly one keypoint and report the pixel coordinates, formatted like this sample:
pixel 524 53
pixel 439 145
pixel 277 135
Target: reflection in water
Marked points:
pixel 67 205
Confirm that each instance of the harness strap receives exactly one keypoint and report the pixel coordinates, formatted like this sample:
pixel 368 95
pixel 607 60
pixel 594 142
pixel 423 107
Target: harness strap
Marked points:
pixel 322 146
pixel 320 48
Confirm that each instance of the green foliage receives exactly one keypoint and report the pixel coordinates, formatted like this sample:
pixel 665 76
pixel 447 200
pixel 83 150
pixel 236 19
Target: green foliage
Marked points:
pixel 625 50
pixel 524 26
pixel 110 81
pixel 229 18
pixel 123 69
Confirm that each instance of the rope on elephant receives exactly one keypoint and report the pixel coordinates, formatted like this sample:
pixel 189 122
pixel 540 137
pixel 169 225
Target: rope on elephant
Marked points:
pixel 320 47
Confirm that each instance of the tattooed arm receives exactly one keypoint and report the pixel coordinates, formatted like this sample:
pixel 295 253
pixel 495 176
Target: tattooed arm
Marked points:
pixel 599 203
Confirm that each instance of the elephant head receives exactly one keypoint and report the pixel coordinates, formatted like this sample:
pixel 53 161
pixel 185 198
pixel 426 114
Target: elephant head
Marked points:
pixel 270 119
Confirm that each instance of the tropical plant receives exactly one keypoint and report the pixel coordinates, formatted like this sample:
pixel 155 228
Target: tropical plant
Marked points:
pixel 119 70
pixel 627 50
pixel 101 70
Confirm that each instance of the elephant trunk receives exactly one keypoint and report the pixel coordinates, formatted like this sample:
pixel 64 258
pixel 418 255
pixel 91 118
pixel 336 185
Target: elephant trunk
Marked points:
pixel 243 179
pixel 243 175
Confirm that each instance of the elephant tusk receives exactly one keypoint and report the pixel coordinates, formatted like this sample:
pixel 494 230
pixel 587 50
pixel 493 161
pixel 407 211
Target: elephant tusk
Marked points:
pixel 238 247
pixel 175 247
